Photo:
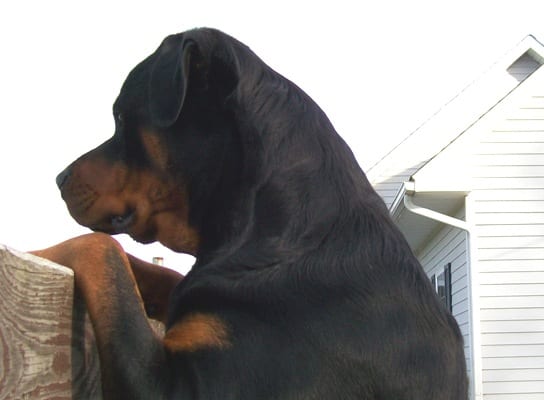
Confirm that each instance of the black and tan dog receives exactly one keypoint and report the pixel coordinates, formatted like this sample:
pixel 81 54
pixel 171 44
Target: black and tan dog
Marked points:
pixel 302 288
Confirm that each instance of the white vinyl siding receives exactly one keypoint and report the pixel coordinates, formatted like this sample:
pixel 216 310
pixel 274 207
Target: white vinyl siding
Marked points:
pixel 509 216
pixel 449 245
pixel 489 142
pixel 455 117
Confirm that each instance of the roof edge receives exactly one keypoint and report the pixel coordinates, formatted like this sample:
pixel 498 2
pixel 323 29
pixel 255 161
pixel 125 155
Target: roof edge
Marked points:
pixel 528 43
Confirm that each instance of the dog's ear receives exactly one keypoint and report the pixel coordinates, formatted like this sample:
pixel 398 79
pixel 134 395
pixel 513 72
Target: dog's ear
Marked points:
pixel 169 79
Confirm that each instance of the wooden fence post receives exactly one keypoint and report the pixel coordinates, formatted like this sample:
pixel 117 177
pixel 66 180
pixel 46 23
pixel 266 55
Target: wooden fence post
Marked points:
pixel 47 348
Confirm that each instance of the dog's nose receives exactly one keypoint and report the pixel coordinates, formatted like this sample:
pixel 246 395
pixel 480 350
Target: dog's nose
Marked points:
pixel 62 177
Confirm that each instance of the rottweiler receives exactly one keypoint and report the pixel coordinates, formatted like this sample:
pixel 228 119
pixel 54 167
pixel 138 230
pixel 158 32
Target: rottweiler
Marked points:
pixel 302 288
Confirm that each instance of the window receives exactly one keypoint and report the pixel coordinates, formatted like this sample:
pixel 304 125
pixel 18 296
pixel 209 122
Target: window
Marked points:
pixel 442 285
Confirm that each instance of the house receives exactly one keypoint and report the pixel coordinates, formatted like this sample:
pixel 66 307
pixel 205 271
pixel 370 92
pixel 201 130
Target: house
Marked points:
pixel 467 190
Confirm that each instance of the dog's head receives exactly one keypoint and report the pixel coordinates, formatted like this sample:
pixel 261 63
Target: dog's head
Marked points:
pixel 214 150
pixel 172 139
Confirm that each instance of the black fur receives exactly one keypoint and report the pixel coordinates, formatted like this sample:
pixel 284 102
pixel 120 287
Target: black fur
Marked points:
pixel 321 293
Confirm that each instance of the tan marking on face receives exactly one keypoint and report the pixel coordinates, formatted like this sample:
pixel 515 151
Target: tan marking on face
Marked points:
pixel 155 149
pixel 174 232
pixel 100 189
pixel 94 181
pixel 197 331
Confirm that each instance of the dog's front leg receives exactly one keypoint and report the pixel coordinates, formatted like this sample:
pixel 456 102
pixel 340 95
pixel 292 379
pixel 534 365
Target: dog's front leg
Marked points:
pixel 155 284
pixel 132 358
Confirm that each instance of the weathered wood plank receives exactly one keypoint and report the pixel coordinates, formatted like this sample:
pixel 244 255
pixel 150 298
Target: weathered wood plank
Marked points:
pixel 47 348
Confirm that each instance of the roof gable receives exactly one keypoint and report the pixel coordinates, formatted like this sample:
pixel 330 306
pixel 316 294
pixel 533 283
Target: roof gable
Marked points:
pixel 448 123
pixel 511 114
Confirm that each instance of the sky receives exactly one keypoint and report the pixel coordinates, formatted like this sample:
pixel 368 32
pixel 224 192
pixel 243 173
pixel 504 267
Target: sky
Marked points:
pixel 378 69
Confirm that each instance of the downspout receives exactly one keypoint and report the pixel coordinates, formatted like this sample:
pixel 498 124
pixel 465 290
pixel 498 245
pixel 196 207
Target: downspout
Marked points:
pixel 472 274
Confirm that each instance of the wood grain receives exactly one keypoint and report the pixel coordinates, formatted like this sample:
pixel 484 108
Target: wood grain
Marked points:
pixel 46 341
pixel 47 345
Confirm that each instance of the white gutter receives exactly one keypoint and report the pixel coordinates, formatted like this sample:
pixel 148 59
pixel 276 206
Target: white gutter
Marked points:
pixel 431 214
pixel 472 275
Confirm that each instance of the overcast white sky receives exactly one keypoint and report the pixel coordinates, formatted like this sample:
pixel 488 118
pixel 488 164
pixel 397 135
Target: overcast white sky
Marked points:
pixel 378 69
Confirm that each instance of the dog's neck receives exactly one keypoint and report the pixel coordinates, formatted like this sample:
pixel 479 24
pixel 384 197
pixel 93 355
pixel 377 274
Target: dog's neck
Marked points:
pixel 286 180
pixel 303 186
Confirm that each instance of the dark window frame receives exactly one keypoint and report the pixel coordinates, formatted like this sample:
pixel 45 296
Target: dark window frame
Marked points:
pixel 442 286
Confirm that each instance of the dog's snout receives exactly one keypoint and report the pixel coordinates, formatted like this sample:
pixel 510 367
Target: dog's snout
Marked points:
pixel 62 177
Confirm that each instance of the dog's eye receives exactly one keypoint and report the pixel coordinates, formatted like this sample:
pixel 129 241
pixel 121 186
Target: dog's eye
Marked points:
pixel 121 222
